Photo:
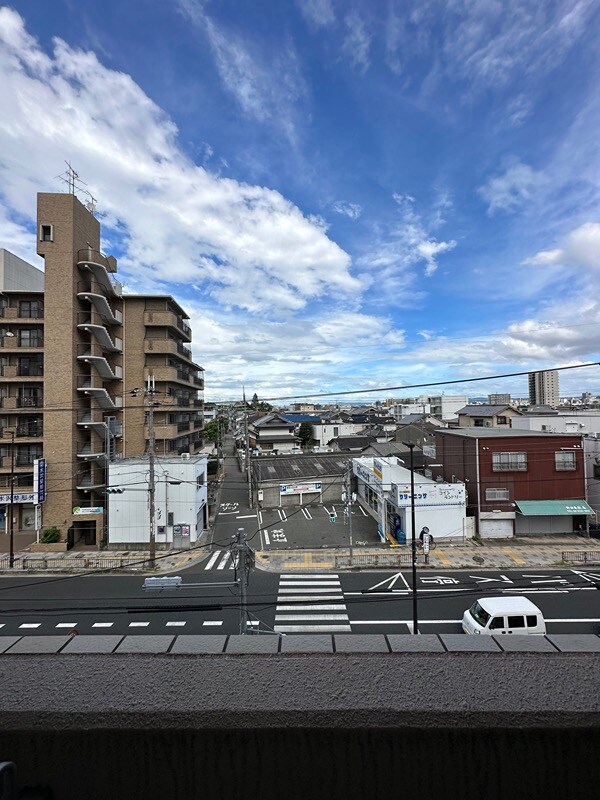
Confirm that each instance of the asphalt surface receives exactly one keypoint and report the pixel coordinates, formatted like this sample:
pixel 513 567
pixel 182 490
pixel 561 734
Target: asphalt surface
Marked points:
pixel 368 602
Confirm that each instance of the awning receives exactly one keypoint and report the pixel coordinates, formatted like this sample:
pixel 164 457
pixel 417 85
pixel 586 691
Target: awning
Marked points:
pixel 552 508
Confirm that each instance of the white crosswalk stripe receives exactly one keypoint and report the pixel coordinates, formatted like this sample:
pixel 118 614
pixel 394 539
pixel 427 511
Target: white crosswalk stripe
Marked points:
pixel 219 560
pixel 301 608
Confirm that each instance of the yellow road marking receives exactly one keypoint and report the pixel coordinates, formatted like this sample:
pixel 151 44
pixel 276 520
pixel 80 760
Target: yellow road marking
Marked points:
pixel 514 556
pixel 444 559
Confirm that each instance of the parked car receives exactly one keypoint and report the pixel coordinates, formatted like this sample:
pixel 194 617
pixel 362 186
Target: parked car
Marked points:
pixel 503 615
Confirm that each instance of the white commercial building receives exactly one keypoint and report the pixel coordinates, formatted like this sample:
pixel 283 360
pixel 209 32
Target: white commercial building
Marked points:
pixel 384 490
pixel 181 512
pixel 584 422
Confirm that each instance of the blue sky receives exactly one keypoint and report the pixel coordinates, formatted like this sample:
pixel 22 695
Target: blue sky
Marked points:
pixel 344 193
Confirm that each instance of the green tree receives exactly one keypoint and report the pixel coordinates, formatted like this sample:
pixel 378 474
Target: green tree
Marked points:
pixel 214 428
pixel 305 432
pixel 254 402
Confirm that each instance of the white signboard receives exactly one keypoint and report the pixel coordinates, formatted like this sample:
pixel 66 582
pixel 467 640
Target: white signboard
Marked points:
pixel 299 488
pixel 431 494
pixel 18 497
pixel 77 511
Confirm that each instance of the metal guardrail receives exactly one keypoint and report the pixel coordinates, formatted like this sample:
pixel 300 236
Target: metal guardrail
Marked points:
pixel 60 563
pixel 377 560
pixel 582 556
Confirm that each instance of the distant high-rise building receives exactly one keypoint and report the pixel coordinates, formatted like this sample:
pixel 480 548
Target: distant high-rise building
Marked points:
pixel 543 388
pixel 499 399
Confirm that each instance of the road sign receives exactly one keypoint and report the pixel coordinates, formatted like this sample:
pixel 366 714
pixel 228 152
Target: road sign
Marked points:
pixel 39 480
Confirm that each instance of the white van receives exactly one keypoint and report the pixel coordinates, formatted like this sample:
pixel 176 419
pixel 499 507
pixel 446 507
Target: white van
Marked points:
pixel 498 615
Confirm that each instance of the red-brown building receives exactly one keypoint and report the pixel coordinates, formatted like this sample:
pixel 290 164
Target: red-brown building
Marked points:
pixel 518 482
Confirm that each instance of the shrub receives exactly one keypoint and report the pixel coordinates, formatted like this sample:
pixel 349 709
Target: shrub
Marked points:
pixel 50 536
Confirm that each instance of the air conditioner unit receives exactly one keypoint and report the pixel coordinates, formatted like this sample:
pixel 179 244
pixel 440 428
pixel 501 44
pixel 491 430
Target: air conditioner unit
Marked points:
pixel 185 456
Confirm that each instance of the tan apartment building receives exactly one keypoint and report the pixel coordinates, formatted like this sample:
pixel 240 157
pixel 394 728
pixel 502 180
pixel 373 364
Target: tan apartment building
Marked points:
pixel 72 349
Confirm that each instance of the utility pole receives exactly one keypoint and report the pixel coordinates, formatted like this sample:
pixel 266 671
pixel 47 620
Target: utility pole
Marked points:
pixel 411 447
pixel 11 557
pixel 149 391
pixel 349 500
pixel 247 459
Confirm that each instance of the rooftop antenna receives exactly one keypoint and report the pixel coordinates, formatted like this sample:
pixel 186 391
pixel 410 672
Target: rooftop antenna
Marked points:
pixel 74 185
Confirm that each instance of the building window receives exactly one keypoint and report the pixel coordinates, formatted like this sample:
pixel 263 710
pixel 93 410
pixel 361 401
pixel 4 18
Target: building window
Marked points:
pixel 46 233
pixel 501 420
pixel 597 471
pixel 31 309
pixel 336 432
pixel 497 494
pixel 31 337
pixel 565 460
pixel 509 462
pixel 200 480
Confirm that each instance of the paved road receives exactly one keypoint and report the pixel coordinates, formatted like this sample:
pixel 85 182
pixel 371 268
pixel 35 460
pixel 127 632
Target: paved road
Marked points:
pixel 299 603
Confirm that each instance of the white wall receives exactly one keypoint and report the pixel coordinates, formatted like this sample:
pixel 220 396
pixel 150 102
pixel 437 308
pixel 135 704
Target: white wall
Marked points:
pixel 560 423
pixel 591 449
pixel 324 432
pixel 129 514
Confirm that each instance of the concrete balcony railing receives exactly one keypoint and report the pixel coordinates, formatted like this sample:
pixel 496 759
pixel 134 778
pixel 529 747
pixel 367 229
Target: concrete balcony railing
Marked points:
pixel 15 314
pixel 164 346
pixel 101 267
pixel 168 319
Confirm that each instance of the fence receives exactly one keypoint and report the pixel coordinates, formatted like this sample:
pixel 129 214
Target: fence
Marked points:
pixel 378 560
pixel 582 556
pixel 74 563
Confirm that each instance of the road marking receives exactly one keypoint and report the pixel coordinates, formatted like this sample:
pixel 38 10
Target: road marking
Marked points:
pixel 103 624
pixel 313 628
pixel 311 576
pixel 303 598
pixel 139 624
pixel 315 607
pixel 444 559
pixel 175 624
pixel 514 556
pixel 314 590
pixel 2 624
pixel 310 583
pixel 267 540
pixel 224 513
pixel 224 560
pixel 213 622
pixel 260 518
pixel 381 622
pixel 66 625
pixel 568 619
pixel 247 516
pixel 308 514
pixel 313 617
pixel 212 559
pixel 327 510
pixel 30 625
pixel 364 513
pixel 284 517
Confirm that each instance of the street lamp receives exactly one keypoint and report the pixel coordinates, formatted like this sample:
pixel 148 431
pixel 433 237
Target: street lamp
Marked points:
pixel 411 447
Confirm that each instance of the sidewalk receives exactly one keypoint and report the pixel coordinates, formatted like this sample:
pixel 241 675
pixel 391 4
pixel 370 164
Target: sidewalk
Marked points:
pixel 540 552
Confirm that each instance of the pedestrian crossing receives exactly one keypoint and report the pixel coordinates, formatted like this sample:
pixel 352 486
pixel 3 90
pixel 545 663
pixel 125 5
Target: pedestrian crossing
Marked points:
pixel 220 559
pixel 311 604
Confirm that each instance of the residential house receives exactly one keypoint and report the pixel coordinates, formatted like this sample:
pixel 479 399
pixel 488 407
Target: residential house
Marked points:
pixel 486 416
pixel 271 432
pixel 518 483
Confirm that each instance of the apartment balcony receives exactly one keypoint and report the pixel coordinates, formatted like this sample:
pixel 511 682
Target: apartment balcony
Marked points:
pixel 101 267
pixel 23 374
pixel 166 431
pixel 86 386
pixel 103 308
pixel 26 459
pixel 101 365
pixel 20 403
pixel 197 422
pixel 14 314
pixel 169 347
pixel 170 374
pixel 15 344
pixel 30 431
pixel 168 319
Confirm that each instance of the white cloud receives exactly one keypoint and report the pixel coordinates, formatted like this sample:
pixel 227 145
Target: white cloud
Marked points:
pixel 268 87
pixel 247 246
pixel 351 210
pixel 405 244
pixel 509 190
pixel 357 41
pixel 319 13
pixel 581 249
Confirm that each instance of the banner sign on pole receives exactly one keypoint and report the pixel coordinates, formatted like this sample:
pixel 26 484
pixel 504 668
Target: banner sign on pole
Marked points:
pixel 39 480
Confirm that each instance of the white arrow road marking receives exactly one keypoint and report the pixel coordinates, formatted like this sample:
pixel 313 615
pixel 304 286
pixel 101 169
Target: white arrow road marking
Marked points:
pixel 481 579
pixel 592 577
pixel 546 579
pixel 391 581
